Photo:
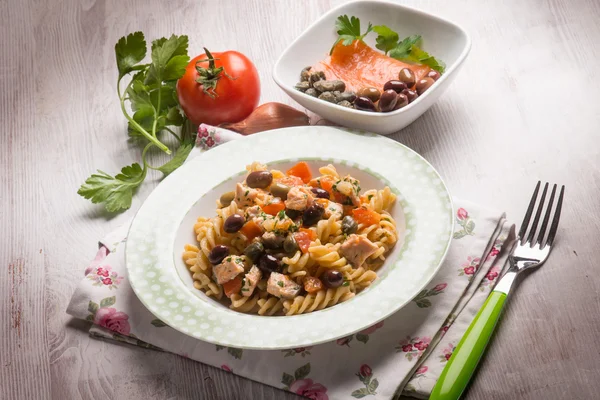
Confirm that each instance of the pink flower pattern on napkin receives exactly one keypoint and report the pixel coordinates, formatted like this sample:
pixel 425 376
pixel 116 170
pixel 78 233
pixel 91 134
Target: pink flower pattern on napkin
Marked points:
pixel 365 375
pixel 469 267
pixel 413 347
pixel 464 221
pixel 104 276
pixel 299 383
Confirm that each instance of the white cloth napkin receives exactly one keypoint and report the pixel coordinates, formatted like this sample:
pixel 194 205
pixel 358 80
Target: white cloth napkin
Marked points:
pixel 404 354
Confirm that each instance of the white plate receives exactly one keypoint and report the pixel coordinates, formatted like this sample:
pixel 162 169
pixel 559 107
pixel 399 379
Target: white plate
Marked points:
pixel 442 38
pixel 164 224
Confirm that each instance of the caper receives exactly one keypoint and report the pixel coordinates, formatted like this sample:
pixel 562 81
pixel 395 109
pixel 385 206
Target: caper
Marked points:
pixel 293 214
pixel 407 76
pixel 410 94
pixel 349 225
pixel 330 86
pixel 401 101
pixel 364 104
pixel 279 190
pixel 348 96
pixel 259 179
pixel 312 92
pixel 396 85
pixel 226 198
pixel 327 96
pixel 317 76
pixel 369 92
pixel 388 100
pixel 290 245
pixel 433 74
pixel 345 103
pixel 423 85
pixel 302 86
pixel 272 240
pixel 254 250
pixel 305 74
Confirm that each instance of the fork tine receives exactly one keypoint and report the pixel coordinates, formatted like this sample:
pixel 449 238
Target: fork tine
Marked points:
pixel 546 216
pixel 525 222
pixel 538 213
pixel 554 226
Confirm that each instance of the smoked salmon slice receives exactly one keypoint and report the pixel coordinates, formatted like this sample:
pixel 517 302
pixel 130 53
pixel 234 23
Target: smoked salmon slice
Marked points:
pixel 358 65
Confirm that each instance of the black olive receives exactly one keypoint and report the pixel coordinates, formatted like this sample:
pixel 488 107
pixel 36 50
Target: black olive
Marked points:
pixel 395 85
pixel 259 179
pixel 313 214
pixel 407 76
pixel 364 104
pixel 332 278
pixel 410 94
pixel 290 245
pixel 401 101
pixel 269 263
pixel 433 74
pixel 349 225
pixel 254 251
pixel 320 193
pixel 369 92
pixel 217 254
pixel 424 84
pixel 388 100
pixel 233 223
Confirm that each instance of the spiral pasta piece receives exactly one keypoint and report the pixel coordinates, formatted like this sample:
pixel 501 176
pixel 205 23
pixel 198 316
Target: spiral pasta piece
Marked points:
pixel 326 228
pixel 269 306
pixel 380 200
pixel 329 170
pixel 204 283
pixel 244 304
pixel 317 301
pixel 326 255
pixel 298 262
pixel 360 278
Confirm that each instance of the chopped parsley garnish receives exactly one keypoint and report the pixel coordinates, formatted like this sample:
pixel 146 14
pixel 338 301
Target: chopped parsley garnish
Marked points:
pixel 281 215
pixel 346 283
pixel 245 289
pixel 386 219
pixel 280 283
pixel 228 258
pixel 246 194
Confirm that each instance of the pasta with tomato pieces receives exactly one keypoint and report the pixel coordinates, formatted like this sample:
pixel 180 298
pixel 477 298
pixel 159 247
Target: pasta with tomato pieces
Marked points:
pixel 287 243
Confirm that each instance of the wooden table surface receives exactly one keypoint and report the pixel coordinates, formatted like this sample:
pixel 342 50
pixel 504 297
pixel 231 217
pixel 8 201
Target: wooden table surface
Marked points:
pixel 523 108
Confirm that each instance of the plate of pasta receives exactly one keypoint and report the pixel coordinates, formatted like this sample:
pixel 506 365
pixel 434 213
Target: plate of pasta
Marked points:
pixel 289 238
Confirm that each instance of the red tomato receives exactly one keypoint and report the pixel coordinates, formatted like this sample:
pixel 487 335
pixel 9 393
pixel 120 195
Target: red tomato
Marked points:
pixel 251 230
pixel 274 207
pixel 301 170
pixel 290 181
pixel 229 95
pixel 312 284
pixel 233 286
pixel 304 237
pixel 365 216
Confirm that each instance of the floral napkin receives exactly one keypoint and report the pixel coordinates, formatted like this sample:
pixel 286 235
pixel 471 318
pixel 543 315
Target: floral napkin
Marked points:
pixel 403 354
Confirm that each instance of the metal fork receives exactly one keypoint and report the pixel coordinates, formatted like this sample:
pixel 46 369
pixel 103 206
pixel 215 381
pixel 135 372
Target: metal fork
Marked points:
pixel 531 251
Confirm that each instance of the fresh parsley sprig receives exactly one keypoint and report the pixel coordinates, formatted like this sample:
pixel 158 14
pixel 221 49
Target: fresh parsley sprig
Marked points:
pixel 348 30
pixel 152 97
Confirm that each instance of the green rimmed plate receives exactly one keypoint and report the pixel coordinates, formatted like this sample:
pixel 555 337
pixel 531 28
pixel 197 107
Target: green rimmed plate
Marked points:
pixel 164 224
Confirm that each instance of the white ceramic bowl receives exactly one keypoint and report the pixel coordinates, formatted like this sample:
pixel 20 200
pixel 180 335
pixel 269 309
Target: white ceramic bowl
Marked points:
pixel 441 38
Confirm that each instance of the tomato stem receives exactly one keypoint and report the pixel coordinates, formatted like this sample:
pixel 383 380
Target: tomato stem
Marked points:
pixel 208 77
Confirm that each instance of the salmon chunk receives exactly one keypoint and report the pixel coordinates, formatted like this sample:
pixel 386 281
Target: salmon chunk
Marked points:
pixel 299 198
pixel 357 249
pixel 250 281
pixel 231 267
pixel 244 195
pixel 282 286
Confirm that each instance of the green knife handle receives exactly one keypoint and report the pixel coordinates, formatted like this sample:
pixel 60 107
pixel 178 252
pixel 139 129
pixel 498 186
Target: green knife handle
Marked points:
pixel 466 356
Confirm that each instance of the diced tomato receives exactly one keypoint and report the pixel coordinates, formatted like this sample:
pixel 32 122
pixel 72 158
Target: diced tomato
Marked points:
pixel 290 181
pixel 363 215
pixel 302 171
pixel 348 210
pixel 251 230
pixel 323 202
pixel 274 207
pixel 304 237
pixel 233 286
pixel 312 284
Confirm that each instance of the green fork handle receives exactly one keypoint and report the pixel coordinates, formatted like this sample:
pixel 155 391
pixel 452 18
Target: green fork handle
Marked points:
pixel 466 356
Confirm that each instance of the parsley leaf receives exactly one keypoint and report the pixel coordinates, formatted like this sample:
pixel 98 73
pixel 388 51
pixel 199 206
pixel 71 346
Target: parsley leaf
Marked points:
pixel 422 57
pixel 177 161
pixel 386 38
pixel 402 49
pixel 169 59
pixel 116 192
pixel 348 30
pixel 129 51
